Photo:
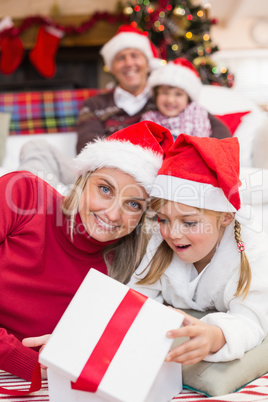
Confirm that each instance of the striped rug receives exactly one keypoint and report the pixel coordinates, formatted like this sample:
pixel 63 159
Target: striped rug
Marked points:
pixel 255 391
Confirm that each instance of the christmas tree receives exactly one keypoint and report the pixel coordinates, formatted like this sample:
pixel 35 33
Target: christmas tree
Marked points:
pixel 180 28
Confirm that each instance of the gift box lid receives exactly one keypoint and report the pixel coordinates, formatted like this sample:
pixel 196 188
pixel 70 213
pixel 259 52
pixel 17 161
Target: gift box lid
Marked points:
pixel 138 356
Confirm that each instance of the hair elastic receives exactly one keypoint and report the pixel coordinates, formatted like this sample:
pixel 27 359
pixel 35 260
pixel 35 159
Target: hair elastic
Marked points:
pixel 241 246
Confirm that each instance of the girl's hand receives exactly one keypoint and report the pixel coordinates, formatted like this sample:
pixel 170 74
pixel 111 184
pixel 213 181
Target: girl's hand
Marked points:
pixel 35 342
pixel 204 339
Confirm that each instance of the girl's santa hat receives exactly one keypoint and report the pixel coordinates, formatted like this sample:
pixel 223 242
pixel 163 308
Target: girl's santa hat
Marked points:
pixel 178 73
pixel 137 150
pixel 130 37
pixel 202 173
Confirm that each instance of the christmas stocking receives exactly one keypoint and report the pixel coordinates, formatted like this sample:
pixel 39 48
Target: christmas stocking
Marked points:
pixel 12 50
pixel 43 54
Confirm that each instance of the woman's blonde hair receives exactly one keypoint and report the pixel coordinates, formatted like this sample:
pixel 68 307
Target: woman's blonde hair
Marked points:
pixel 121 257
pixel 70 203
pixel 164 254
pixel 124 256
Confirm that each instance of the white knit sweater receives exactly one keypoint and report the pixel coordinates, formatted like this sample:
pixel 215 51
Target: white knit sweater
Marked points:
pixel 243 322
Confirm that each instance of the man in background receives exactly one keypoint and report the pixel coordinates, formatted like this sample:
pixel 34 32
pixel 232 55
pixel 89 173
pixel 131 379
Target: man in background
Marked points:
pixel 129 56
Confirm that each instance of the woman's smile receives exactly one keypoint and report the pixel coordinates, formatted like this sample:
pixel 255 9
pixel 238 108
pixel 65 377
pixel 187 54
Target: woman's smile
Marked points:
pixel 105 225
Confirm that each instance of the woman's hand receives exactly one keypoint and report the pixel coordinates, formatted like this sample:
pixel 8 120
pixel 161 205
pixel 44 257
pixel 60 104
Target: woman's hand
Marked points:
pixel 204 339
pixel 35 342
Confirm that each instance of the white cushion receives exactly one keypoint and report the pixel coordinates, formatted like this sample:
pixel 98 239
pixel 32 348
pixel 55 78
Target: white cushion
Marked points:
pixel 65 142
pixel 245 132
pixel 260 146
pixel 221 100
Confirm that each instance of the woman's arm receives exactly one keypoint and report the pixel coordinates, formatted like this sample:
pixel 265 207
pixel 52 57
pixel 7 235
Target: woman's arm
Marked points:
pixel 17 201
pixel 16 358
pixel 34 342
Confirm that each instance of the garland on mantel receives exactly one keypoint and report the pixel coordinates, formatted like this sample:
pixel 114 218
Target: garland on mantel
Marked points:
pixel 42 56
pixel 67 30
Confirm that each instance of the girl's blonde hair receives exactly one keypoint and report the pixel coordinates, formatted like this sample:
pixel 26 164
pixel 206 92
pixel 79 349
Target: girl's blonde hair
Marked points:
pixel 164 254
pixel 245 270
pixel 121 257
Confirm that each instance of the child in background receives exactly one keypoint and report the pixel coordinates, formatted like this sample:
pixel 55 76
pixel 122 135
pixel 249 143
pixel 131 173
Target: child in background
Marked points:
pixel 204 257
pixel 176 88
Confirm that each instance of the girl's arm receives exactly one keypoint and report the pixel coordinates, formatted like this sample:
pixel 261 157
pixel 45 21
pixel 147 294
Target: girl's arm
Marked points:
pixel 245 321
pixel 203 339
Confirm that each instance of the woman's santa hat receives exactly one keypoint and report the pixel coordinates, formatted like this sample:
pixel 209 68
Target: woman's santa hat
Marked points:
pixel 137 150
pixel 126 37
pixel 178 73
pixel 202 173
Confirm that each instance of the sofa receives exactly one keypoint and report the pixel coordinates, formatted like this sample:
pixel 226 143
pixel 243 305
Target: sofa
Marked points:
pixel 51 115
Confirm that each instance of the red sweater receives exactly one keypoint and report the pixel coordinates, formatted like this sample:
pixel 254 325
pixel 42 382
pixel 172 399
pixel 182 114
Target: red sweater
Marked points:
pixel 40 267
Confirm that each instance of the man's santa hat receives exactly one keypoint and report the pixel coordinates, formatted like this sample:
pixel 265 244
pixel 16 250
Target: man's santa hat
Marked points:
pixel 137 150
pixel 126 37
pixel 202 173
pixel 178 73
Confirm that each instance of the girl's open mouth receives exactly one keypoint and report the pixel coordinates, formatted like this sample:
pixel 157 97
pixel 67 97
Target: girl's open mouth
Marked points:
pixel 182 247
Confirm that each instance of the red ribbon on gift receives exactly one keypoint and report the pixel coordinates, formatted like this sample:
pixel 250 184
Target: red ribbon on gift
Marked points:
pixel 35 385
pixel 109 342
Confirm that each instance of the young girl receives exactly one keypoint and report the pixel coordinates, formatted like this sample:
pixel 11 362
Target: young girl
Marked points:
pixel 176 88
pixel 48 243
pixel 205 258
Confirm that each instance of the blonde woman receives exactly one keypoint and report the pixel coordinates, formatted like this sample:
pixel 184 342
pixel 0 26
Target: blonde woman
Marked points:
pixel 48 243
pixel 204 257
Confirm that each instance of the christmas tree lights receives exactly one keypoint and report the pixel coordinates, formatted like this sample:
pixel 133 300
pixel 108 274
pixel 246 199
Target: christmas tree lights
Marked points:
pixel 180 28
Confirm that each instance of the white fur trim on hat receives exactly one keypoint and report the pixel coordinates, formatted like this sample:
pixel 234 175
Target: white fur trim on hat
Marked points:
pixel 195 194
pixel 176 76
pixel 141 163
pixel 125 40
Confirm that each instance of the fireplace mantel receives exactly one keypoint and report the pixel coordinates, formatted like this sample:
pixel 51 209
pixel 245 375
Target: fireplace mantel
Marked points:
pixel 78 63
pixel 99 34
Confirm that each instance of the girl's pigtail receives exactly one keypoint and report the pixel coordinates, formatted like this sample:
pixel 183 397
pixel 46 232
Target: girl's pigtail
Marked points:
pixel 245 271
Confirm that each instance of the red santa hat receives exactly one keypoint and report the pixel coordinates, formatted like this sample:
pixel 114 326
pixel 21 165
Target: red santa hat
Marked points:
pixel 137 150
pixel 128 36
pixel 201 172
pixel 177 73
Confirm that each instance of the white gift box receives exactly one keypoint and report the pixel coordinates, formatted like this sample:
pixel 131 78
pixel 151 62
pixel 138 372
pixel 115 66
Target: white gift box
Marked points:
pixel 111 342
